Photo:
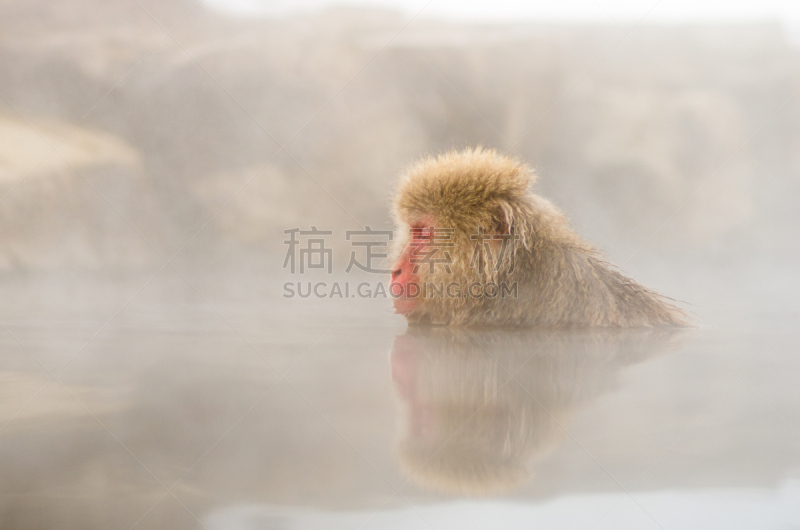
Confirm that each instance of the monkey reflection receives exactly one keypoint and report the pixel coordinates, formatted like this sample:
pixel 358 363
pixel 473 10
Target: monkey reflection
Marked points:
pixel 479 406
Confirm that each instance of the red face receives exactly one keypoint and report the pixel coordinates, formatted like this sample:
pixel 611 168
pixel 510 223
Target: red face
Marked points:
pixel 404 286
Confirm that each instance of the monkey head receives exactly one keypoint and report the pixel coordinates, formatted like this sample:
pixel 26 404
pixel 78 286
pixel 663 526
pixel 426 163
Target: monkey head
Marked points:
pixel 458 220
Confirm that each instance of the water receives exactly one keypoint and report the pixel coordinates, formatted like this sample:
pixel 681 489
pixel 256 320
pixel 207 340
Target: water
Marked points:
pixel 137 401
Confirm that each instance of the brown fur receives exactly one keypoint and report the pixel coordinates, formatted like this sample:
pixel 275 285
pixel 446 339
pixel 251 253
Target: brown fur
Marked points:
pixel 561 279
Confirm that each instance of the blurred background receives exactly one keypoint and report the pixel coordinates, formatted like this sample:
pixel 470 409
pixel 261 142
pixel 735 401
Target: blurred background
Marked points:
pixel 152 153
pixel 130 129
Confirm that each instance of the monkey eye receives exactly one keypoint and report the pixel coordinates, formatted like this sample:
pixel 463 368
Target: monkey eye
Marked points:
pixel 421 233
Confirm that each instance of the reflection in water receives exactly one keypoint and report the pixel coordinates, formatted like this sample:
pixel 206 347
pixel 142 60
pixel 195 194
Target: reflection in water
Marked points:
pixel 169 396
pixel 480 405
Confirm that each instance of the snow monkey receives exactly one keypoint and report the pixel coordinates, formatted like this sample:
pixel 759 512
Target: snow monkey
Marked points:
pixel 476 247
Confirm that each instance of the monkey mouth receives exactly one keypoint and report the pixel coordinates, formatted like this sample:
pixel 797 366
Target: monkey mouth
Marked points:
pixel 404 306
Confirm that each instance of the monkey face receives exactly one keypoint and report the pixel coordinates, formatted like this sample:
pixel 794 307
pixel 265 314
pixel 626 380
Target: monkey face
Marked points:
pixel 440 270
pixel 405 283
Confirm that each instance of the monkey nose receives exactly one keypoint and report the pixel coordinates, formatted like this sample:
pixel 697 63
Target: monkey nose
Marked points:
pixel 396 272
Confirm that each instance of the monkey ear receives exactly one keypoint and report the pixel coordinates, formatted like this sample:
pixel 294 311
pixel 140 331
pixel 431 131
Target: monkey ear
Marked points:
pixel 504 220
pixel 503 228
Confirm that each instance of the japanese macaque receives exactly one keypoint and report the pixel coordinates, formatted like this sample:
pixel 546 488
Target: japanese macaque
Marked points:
pixel 481 249
pixel 480 408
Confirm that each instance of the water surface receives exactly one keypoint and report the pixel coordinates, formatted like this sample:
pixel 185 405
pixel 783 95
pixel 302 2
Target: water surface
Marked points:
pixel 140 402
